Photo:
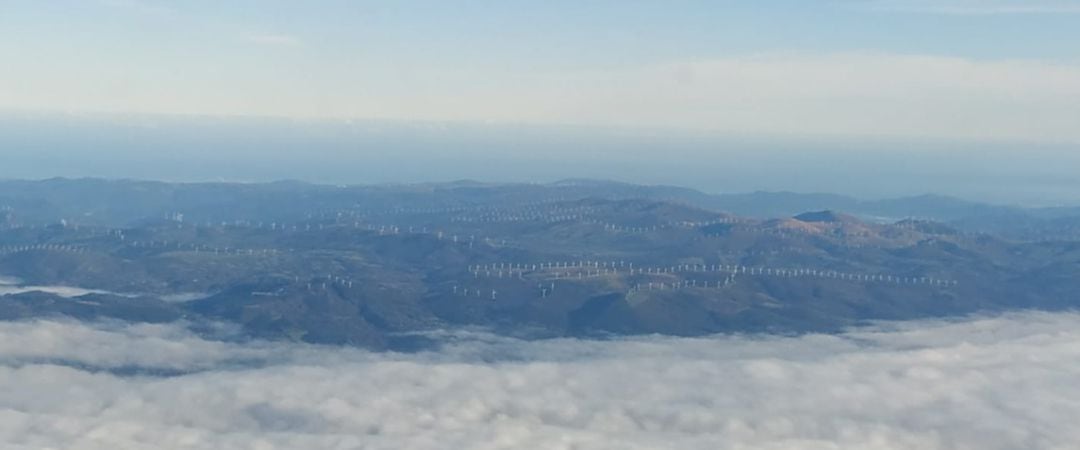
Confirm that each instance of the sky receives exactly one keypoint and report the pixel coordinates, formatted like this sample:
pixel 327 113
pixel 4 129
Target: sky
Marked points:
pixel 875 98
pixel 986 383
pixel 951 68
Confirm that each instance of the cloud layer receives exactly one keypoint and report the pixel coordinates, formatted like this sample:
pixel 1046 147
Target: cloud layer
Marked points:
pixel 863 94
pixel 992 383
pixel 844 94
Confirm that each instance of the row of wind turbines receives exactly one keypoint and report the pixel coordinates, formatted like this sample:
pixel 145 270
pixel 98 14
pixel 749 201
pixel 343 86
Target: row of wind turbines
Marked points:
pixel 581 269
pixel 12 249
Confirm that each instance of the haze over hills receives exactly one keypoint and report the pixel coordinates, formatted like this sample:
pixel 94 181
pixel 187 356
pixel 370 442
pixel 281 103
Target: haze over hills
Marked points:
pixel 368 265
pixel 201 148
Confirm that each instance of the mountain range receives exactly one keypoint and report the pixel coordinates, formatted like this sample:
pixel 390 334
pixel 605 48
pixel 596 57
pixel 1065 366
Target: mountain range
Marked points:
pixel 377 266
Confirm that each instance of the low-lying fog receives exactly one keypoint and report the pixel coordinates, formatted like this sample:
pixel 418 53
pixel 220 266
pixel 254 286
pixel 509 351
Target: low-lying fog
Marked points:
pixel 62 291
pixel 985 383
pixel 12 286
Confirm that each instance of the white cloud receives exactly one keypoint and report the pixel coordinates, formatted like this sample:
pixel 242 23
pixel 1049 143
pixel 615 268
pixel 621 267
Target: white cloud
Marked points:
pixel 975 7
pixel 996 383
pixel 843 94
pixel 279 40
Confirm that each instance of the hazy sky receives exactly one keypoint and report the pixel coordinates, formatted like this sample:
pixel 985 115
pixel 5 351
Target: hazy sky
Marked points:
pixel 984 69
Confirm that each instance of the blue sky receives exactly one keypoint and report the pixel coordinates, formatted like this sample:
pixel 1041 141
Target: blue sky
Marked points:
pixel 969 69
